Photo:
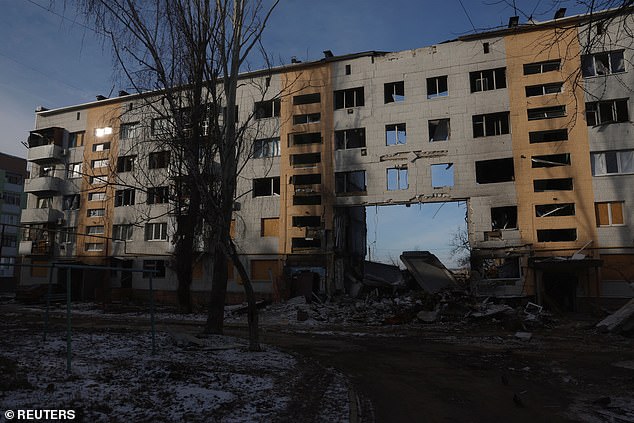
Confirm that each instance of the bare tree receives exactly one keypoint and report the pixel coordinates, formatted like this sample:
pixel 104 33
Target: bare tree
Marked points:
pixel 184 56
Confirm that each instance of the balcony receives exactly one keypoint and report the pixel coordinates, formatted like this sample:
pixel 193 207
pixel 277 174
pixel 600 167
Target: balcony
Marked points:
pixel 43 185
pixel 46 136
pixel 36 248
pixel 44 154
pixel 41 215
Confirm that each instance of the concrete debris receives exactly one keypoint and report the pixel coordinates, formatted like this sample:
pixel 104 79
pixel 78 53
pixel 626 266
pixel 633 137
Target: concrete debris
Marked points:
pixel 428 271
pixel 185 340
pixel 380 275
pixel 621 321
pixel 489 310
pixel 428 316
pixel 524 336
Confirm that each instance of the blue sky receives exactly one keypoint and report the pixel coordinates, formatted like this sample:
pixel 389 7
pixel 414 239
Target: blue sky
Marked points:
pixel 53 61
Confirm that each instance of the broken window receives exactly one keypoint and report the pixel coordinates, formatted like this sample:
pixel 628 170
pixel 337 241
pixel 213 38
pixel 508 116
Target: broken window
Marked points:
pixel 437 87
pixel 70 202
pixel 395 134
pixel 125 164
pixel 306 99
pixel 350 182
pixel 397 178
pixel 306 200
pixel 491 124
pixel 102 146
pixel 305 138
pixel 95 164
pixel 561 209
pixel 124 197
pixel 439 130
pixel 269 226
pixel 307 221
pixel 129 130
pixel 394 92
pixel 350 138
pixel 612 162
pixel 305 243
pixel 73 170
pixel 442 175
pixel 348 69
pixel 96 212
pixel 504 217
pixel 556 184
pixel 604 63
pixel 546 112
pixel 306 118
pixel 494 171
pixel 550 160
pixel 266 187
pixel 556 235
pixel 307 179
pixel 548 136
pixel 544 89
pixel 305 160
pixel 44 202
pixel 158 160
pixel 268 147
pixel 352 97
pixel 157 195
pixel 490 79
pixel 267 109
pixel 101 179
pixel 76 139
pixel 611 111
pixel 542 67
pixel 609 213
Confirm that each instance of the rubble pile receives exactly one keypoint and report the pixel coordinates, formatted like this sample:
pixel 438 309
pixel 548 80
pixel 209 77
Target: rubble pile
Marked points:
pixel 413 307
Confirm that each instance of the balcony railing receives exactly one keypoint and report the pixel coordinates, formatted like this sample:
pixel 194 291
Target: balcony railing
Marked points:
pixel 42 154
pixel 41 215
pixel 43 184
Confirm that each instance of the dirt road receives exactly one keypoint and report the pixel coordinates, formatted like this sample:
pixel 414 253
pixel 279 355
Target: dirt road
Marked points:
pixel 448 373
pixel 415 376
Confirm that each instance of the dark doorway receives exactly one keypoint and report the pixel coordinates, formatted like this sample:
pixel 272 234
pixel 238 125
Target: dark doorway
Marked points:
pixel 560 290
pixel 76 285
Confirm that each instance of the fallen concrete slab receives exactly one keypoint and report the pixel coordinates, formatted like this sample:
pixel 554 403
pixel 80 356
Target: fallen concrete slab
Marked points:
pixel 428 271
pixel 381 275
pixel 620 321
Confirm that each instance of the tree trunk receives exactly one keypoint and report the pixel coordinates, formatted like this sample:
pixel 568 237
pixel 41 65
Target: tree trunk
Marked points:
pixel 215 314
pixel 252 311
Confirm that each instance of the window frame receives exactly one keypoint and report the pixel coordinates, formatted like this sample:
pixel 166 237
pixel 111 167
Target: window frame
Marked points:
pixel 401 174
pixel 266 148
pixel 482 76
pixel 156 231
pixel 396 128
pixel 434 87
pixel 349 98
pixel 394 92
pixel 610 62
pixel 609 213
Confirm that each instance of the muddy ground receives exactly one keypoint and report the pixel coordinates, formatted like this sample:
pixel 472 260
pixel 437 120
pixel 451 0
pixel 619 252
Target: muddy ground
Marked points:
pixel 472 371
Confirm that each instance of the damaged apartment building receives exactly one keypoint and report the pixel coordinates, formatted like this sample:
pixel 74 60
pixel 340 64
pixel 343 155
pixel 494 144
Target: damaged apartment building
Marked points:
pixel 529 125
